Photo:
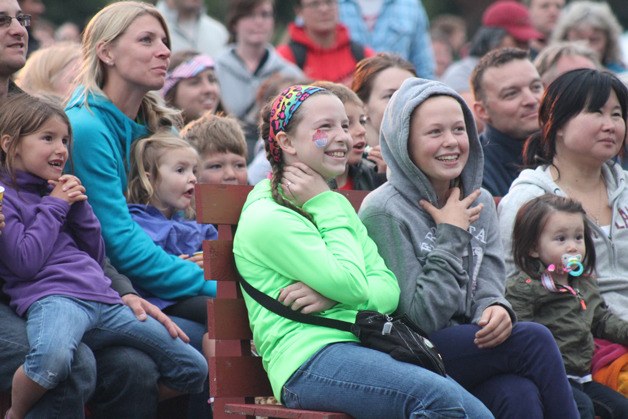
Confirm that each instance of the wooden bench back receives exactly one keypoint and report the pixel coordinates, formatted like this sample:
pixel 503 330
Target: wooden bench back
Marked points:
pixel 236 377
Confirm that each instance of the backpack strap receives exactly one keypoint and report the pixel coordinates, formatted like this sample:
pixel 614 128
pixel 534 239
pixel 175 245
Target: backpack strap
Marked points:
pixel 299 52
pixel 357 50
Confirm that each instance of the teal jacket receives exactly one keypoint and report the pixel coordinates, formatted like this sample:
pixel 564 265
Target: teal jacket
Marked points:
pixel 102 142
pixel 274 247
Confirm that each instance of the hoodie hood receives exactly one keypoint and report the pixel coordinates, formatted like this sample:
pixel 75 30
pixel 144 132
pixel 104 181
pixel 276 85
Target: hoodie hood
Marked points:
pixel 230 64
pixel 234 76
pixel 404 175
pixel 122 128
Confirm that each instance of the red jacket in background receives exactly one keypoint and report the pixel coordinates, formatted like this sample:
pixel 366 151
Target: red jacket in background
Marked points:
pixel 335 63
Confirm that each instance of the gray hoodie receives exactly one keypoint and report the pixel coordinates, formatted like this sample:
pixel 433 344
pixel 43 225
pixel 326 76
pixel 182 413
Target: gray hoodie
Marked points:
pixel 611 245
pixel 447 275
pixel 239 86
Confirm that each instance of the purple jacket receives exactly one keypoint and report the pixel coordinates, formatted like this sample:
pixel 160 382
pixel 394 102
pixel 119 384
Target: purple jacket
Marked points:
pixel 49 247
pixel 176 235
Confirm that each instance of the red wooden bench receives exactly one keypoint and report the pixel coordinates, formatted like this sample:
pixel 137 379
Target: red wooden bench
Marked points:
pixel 236 376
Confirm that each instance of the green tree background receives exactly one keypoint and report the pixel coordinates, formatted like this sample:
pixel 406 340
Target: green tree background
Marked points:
pixel 79 11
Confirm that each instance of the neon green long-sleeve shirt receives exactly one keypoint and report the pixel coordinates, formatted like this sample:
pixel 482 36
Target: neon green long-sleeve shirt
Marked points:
pixel 274 247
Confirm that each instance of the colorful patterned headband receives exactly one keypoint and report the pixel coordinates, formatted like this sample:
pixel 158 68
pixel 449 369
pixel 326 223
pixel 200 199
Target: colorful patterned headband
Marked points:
pixel 284 107
pixel 186 70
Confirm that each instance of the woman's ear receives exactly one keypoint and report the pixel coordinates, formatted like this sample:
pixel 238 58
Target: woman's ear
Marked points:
pixel 103 51
pixel 5 141
pixel 560 134
pixel 285 143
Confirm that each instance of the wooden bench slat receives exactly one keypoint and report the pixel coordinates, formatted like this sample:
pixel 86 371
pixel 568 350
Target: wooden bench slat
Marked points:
pixel 275 411
pixel 220 204
pixel 218 261
pixel 241 376
pixel 236 328
pixel 354 197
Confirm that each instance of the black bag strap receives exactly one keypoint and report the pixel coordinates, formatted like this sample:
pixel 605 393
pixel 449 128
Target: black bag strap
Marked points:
pixel 276 307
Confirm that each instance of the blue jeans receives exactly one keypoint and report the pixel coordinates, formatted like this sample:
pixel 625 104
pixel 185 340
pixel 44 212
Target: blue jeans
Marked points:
pixel 126 384
pixel 594 398
pixel 65 401
pixel 523 377
pixel 56 325
pixel 125 378
pixel 365 383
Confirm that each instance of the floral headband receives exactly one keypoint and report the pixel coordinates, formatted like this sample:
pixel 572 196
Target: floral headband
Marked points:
pixel 186 70
pixel 284 107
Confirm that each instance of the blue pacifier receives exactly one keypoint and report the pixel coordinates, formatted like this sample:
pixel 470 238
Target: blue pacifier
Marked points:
pixel 573 264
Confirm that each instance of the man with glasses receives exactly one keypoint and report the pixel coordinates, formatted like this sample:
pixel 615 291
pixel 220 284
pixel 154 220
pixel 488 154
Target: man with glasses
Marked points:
pixel 320 45
pixel 397 26
pixel 127 385
pixel 13 42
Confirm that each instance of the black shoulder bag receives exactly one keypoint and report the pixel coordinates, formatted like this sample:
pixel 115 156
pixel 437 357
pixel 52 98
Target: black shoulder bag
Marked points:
pixel 397 336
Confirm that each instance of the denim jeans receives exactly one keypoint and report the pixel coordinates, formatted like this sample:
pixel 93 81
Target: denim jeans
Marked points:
pixel 126 384
pixel 523 377
pixel 594 398
pixel 57 324
pixel 65 401
pixel 365 383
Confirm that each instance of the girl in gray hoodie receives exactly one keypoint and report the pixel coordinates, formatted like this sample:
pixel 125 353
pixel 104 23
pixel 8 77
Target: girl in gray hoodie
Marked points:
pixel 437 231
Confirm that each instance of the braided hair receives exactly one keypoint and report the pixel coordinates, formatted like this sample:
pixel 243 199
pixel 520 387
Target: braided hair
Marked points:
pixel 281 114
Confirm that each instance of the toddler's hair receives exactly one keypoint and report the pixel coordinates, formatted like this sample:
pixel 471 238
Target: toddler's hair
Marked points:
pixel 21 115
pixel 530 222
pixel 146 155
pixel 215 134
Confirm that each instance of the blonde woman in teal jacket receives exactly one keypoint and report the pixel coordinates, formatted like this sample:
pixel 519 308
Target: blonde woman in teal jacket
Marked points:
pixel 304 244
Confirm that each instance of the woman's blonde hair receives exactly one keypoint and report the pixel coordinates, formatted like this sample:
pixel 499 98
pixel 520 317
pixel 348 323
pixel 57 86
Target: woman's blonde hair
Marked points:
pixel 105 28
pixel 45 66
pixel 146 156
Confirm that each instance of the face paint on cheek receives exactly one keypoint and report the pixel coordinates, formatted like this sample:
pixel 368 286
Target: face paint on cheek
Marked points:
pixel 320 139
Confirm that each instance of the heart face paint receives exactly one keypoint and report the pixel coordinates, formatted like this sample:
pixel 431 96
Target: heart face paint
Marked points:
pixel 320 138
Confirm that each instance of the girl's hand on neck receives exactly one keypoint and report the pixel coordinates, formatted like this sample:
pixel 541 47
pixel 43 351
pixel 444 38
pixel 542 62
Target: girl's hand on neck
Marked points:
pixel 456 211
pixel 300 183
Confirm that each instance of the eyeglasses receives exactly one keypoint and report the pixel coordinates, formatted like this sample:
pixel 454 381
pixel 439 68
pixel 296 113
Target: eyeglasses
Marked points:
pixel 24 20
pixel 317 4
